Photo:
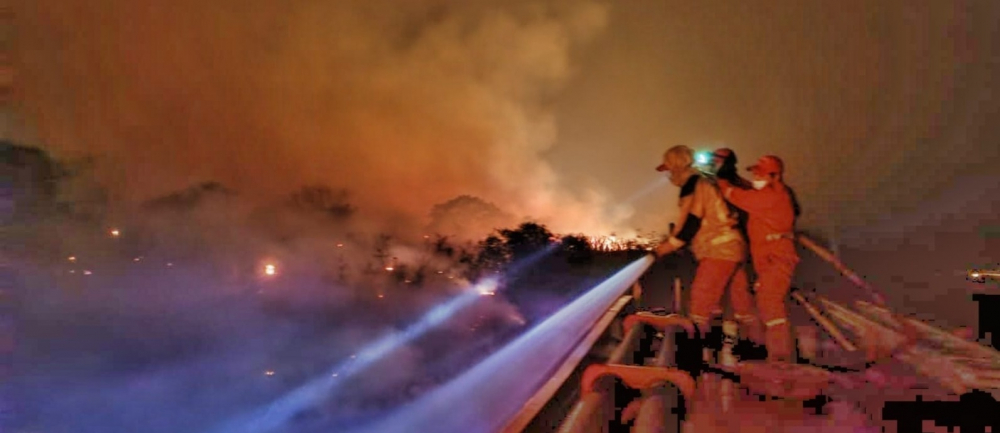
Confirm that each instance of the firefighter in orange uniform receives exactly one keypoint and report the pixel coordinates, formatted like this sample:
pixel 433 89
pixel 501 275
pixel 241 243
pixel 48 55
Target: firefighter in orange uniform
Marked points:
pixel 709 229
pixel 770 227
pixel 724 167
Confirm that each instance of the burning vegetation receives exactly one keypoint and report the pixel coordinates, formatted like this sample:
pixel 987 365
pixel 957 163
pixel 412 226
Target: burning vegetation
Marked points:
pixel 201 289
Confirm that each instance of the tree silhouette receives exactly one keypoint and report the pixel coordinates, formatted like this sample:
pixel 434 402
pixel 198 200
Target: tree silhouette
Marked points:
pixel 443 248
pixel 576 248
pixel 32 180
pixel 467 217
pixel 493 256
pixel 323 199
pixel 189 198
pixel 526 240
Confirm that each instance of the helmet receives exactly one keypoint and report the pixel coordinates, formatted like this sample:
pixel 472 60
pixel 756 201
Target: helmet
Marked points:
pixel 768 164
pixel 725 153
pixel 679 156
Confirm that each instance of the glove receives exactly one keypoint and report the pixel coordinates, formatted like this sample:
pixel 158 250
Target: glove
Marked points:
pixel 668 247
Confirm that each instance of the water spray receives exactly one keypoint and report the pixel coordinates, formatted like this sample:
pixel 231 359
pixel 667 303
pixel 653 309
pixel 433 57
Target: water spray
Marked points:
pixel 660 182
pixel 485 397
pixel 278 413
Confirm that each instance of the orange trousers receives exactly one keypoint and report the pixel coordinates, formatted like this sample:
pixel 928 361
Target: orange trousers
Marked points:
pixel 774 279
pixel 711 279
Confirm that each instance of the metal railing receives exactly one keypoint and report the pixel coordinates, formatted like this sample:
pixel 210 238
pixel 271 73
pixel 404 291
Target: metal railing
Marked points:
pixel 665 390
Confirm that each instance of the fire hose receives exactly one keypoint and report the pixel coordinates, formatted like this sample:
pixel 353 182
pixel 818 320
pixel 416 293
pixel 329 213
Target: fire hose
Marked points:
pixel 909 331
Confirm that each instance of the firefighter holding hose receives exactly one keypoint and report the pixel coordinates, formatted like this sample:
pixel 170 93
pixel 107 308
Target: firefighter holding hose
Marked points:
pixel 707 227
pixel 770 227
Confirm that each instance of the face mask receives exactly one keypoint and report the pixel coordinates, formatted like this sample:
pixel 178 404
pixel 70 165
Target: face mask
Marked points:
pixel 759 184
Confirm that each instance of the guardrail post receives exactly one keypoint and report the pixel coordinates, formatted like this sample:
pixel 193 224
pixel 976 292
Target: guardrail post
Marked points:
pixel 651 411
pixel 661 323
pixel 639 377
pixel 637 294
pixel 678 297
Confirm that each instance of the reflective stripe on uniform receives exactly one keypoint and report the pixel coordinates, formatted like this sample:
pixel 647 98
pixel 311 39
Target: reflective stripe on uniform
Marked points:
pixel 745 317
pixel 778 236
pixel 728 237
pixel 776 322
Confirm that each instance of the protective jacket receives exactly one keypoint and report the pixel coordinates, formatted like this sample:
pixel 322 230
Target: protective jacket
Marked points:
pixel 771 226
pixel 706 224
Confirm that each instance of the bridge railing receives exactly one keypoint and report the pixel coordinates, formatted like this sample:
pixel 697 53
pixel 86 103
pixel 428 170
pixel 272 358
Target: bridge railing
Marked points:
pixel 592 395
pixel 873 327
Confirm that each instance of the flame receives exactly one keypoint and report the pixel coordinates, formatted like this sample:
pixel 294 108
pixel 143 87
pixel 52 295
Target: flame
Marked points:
pixel 389 268
pixel 613 243
pixel 71 258
pixel 115 233
pixel 270 269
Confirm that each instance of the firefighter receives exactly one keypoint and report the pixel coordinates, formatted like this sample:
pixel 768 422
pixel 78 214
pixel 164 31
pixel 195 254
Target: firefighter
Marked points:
pixel 707 227
pixel 724 167
pixel 771 226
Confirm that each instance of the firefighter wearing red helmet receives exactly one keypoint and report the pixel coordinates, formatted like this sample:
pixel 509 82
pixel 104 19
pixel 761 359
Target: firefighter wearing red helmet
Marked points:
pixel 770 228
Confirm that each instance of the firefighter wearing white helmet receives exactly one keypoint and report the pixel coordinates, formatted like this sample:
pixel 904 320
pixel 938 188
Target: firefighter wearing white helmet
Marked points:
pixel 708 228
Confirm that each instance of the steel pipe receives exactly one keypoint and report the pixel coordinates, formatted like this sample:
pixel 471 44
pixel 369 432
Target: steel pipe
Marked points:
pixel 639 377
pixel 661 323
pixel 654 411
pixel 592 409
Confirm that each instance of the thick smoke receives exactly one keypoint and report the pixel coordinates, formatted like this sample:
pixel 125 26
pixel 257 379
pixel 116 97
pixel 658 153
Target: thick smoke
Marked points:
pixel 172 326
pixel 406 104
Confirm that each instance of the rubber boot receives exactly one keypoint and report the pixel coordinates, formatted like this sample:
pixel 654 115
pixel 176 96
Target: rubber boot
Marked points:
pixel 730 335
pixel 779 343
pixel 750 345
pixel 753 330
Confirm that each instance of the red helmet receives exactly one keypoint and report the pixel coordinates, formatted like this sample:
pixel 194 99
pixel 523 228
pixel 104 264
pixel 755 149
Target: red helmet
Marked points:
pixel 768 164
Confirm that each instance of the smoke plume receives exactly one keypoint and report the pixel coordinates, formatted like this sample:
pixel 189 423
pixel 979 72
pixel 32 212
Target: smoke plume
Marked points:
pixel 406 104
